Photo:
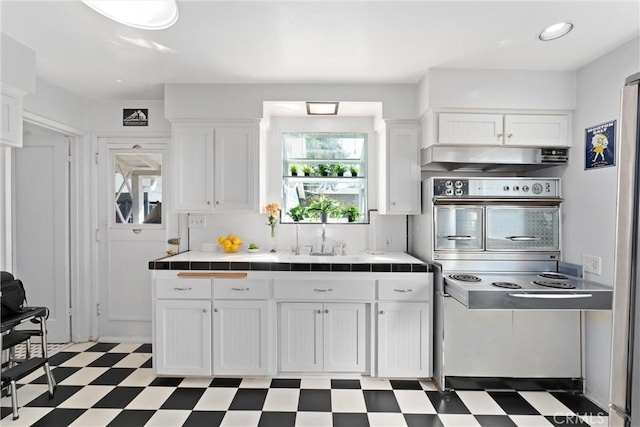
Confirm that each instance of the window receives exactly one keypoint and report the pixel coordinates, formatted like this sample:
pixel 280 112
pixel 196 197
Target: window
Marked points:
pixel 324 172
pixel 138 188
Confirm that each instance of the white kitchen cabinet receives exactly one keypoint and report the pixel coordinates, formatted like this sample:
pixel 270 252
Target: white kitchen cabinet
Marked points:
pixel 182 337
pixel 329 337
pixel 10 116
pixel 472 129
pixel 215 167
pixel 240 335
pixel 399 180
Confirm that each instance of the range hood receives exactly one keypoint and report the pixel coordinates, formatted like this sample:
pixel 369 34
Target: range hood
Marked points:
pixel 491 159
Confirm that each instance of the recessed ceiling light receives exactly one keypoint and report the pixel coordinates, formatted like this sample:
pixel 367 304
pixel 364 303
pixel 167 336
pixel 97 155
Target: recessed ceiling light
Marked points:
pixel 118 81
pixel 143 14
pixel 555 31
pixel 322 108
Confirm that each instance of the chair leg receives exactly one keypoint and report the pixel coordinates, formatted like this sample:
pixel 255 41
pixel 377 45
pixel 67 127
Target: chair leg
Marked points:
pixel 14 401
pixel 51 381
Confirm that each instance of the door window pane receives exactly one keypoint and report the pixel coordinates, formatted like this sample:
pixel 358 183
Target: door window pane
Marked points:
pixel 138 188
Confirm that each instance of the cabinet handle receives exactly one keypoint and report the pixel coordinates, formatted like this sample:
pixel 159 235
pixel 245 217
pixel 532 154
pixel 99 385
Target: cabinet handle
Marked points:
pixel 181 289
pixel 318 311
pixel 240 289
pixel 403 290
pixel 381 311
pixel 326 311
pixel 500 135
pixel 204 310
pixel 323 290
pixel 394 203
pixel 217 202
pixel 510 135
pixel 215 310
pixel 208 202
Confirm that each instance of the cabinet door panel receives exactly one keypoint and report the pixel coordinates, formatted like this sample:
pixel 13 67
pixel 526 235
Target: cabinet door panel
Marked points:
pixel 403 176
pixel 183 337
pixel 301 337
pixel 470 129
pixel 240 337
pixel 235 169
pixel 537 130
pixel 193 163
pixel 344 337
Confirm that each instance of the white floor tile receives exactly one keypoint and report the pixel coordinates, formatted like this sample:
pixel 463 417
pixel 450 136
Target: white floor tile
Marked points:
pixel 428 385
pixel 595 420
pixel 195 383
pixel 28 416
pixel 141 377
pixel 322 383
pixel 82 359
pixel 26 394
pixel 282 400
pixel 126 347
pixel 95 417
pixel 133 360
pixel 348 401
pixel 86 397
pixel 375 384
pixel 84 376
pixel 530 421
pixel 414 402
pixel 151 398
pixel 32 376
pixel 241 419
pixel 458 420
pixel 168 418
pixel 216 399
pixel 255 383
pixel 480 403
pixel 545 403
pixel 314 419
pixel 385 419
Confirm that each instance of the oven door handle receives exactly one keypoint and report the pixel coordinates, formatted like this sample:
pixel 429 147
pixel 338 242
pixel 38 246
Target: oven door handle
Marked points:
pixel 551 296
pixel 523 238
pixel 460 237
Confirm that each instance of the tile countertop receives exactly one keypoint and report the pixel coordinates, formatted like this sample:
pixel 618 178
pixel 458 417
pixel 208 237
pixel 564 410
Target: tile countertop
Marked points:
pixel 397 262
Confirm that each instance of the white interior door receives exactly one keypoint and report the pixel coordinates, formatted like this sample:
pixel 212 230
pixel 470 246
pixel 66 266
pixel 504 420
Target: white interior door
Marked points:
pixel 41 225
pixel 133 215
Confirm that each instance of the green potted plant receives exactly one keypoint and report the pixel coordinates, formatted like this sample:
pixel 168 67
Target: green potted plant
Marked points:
pixel 294 170
pixel 354 170
pixel 351 212
pixel 323 169
pixel 339 169
pixel 322 207
pixel 296 213
pixel 306 170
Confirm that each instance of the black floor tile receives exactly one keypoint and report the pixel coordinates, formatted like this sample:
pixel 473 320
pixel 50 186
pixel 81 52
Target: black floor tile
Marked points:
pixel 249 399
pixel 113 376
pixel 524 384
pixel 183 398
pixel 314 400
pixel 380 401
pixel 495 421
pixel 405 385
pixel 102 347
pixel 60 374
pixel 62 393
pixel 447 402
pixel 423 420
pixel 579 404
pixel 59 417
pixel 226 382
pixel 119 397
pixel 350 420
pixel 60 358
pixel 567 420
pixel 513 403
pixel 277 419
pixel 166 382
pixel 144 348
pixel 131 418
pixel 107 360
pixel 204 418
pixel 148 363
pixel 345 384
pixel 285 383
pixel 5 411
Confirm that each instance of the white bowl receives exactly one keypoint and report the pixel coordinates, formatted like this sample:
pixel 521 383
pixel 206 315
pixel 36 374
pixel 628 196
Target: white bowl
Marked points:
pixel 253 250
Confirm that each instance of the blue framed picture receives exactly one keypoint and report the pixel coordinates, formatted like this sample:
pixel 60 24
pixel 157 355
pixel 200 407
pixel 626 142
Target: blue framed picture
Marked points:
pixel 600 146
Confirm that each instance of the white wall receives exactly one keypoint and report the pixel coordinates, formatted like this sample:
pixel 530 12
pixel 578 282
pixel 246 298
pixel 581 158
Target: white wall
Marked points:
pixel 53 103
pixel 18 64
pixel 105 117
pixel 590 198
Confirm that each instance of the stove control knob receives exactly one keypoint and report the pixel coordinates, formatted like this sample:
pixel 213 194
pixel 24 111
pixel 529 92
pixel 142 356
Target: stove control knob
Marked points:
pixel 525 188
pixel 448 192
pixel 448 184
pixel 505 188
pixel 458 184
pixel 516 188
pixel 458 192
pixel 536 188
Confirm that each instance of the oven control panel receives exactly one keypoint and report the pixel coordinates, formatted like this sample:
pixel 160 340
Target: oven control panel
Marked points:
pixel 496 187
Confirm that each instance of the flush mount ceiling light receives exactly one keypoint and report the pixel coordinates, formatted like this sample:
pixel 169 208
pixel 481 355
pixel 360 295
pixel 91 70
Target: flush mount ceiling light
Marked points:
pixel 555 31
pixel 322 108
pixel 143 14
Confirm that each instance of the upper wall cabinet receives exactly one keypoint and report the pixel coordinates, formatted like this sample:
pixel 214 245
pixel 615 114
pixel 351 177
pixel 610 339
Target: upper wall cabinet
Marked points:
pixel 531 130
pixel 10 117
pixel 400 168
pixel 215 167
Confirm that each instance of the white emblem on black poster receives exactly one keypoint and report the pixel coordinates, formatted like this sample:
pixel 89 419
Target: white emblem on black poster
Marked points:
pixel 135 117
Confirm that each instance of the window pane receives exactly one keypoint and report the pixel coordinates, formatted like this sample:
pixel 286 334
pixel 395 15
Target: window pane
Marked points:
pixel 138 188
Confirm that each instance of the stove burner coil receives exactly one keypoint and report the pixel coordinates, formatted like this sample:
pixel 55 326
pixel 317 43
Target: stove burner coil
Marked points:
pixel 507 285
pixel 556 285
pixel 465 278
pixel 554 276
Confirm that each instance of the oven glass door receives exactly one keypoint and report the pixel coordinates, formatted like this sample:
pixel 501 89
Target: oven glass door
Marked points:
pixel 521 228
pixel 459 228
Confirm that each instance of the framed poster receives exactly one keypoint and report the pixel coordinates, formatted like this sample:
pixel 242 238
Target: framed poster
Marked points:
pixel 600 146
pixel 135 117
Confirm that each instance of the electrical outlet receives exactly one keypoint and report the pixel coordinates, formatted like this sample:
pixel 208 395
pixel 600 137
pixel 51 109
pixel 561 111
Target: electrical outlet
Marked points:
pixel 591 264
pixel 387 243
pixel 197 221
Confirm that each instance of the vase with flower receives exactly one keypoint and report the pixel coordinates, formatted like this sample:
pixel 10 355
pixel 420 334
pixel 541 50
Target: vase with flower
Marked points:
pixel 273 210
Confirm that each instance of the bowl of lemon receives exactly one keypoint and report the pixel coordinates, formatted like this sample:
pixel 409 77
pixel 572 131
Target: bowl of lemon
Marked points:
pixel 230 243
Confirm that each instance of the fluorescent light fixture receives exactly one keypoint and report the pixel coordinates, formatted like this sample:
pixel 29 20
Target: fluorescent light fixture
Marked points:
pixel 143 14
pixel 555 31
pixel 322 108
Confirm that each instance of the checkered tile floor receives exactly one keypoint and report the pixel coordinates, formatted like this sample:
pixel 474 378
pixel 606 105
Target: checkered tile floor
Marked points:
pixel 114 385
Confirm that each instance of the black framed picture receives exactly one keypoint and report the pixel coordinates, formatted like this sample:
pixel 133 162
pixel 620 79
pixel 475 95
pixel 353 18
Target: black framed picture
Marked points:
pixel 600 146
pixel 135 117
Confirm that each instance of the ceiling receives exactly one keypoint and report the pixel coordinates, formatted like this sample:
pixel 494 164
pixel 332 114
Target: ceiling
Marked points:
pixel 308 41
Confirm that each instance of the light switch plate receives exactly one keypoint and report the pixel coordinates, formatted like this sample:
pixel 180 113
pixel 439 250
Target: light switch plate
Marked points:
pixel 197 221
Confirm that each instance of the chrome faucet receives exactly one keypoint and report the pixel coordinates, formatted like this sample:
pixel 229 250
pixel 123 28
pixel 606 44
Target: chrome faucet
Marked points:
pixel 296 248
pixel 324 238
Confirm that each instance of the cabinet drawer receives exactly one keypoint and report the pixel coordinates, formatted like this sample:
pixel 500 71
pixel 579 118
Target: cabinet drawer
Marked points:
pixel 323 289
pixel 183 288
pixel 240 289
pixel 404 290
